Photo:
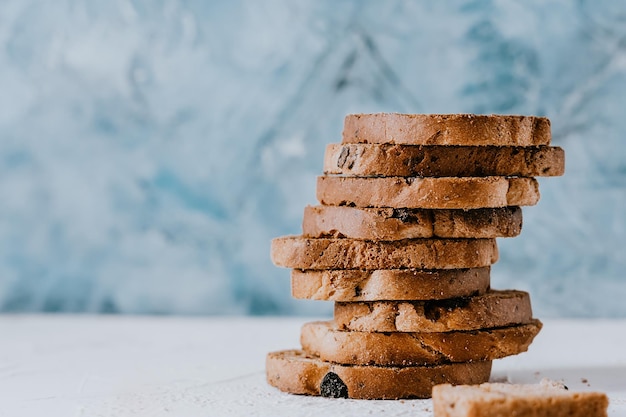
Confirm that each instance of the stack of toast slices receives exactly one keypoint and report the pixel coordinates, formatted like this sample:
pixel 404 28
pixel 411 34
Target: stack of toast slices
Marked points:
pixel 402 242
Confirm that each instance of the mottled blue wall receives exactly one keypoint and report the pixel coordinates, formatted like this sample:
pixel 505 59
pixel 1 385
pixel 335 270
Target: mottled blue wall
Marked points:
pixel 149 150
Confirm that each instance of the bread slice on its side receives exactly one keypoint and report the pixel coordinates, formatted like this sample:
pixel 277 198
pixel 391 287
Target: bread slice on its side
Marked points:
pixel 447 129
pixel 403 349
pixel 386 160
pixel 492 309
pixel 304 253
pixel 504 400
pixel 389 284
pixel 430 193
pixel 296 372
pixel 403 223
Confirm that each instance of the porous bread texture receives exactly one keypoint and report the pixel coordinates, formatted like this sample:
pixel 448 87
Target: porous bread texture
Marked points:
pixel 427 192
pixel 306 253
pixel 296 372
pixel 492 309
pixel 447 129
pixel 388 284
pixel 387 160
pixel 323 339
pixel 505 400
pixel 403 223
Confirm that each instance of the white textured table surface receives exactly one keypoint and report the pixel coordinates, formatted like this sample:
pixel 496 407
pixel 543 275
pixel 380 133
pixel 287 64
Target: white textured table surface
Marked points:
pixel 159 366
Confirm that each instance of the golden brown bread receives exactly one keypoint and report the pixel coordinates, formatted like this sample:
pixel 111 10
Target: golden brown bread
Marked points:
pixel 307 253
pixel 387 160
pixel 298 373
pixel 396 224
pixel 405 349
pixel 388 284
pixel 430 193
pixel 447 129
pixel 403 241
pixel 532 400
pixel 492 309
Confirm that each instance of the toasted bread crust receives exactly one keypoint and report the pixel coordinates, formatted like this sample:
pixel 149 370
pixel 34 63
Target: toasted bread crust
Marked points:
pixel 386 160
pixel 430 193
pixel 296 372
pixel 447 129
pixel 389 284
pixel 530 400
pixel 489 310
pixel 407 349
pixel 306 253
pixel 396 224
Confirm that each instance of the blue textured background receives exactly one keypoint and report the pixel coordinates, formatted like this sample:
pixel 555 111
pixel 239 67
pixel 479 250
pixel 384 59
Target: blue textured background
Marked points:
pixel 149 150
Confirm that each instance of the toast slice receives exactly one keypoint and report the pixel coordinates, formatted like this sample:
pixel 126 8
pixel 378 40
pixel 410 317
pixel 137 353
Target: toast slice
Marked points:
pixel 447 129
pixel 492 309
pixel 429 193
pixel 531 400
pixel 296 372
pixel 386 160
pixel 396 224
pixel 306 253
pixel 389 284
pixel 323 339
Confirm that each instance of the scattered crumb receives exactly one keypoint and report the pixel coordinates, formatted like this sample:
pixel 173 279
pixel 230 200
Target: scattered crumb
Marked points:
pixel 547 382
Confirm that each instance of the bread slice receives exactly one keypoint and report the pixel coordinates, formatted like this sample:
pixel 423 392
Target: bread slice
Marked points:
pixel 531 400
pixel 430 193
pixel 296 372
pixel 406 349
pixel 305 253
pixel 492 309
pixel 386 160
pixel 388 284
pixel 447 129
pixel 396 224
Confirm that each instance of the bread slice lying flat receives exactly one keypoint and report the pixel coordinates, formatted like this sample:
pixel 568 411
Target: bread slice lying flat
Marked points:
pixel 500 400
pixel 489 310
pixel 447 129
pixel 396 224
pixel 389 284
pixel 427 192
pixel 298 373
pixel 303 253
pixel 387 160
pixel 323 340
